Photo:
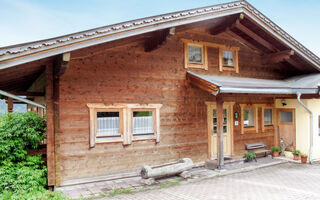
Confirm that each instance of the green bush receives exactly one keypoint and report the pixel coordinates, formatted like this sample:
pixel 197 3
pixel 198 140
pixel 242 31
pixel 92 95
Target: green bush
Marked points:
pixel 19 132
pixel 23 176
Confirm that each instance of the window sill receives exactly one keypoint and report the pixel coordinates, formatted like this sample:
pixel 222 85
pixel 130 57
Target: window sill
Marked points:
pixel 144 137
pixel 109 140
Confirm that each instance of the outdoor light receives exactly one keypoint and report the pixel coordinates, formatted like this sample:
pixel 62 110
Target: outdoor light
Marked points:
pixel 283 101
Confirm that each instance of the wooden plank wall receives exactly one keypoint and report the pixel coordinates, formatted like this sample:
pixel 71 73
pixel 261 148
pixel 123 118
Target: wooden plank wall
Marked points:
pixel 127 74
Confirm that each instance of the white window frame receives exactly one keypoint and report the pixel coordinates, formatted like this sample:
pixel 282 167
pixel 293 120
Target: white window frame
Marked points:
pixel 126 122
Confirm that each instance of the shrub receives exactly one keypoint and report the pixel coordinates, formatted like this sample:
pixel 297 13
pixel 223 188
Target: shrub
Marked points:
pixel 19 132
pixel 22 176
pixel 276 149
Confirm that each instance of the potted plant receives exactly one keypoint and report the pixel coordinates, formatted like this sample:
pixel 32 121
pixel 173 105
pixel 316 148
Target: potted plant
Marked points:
pixel 296 154
pixel 276 151
pixel 304 158
pixel 250 156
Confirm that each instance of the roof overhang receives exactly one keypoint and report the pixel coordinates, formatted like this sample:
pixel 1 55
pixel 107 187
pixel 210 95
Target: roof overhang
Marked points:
pixel 307 84
pixel 28 52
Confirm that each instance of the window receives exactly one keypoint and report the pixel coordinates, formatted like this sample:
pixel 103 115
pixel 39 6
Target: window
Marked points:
pixel 143 123
pixel 225 121
pixel 196 56
pixel 228 59
pixel 124 123
pixel 248 118
pixel 108 124
pixel 267 117
pixel 286 116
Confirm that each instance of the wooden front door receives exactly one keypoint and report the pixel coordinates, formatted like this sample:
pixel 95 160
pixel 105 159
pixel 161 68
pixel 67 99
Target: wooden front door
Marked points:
pixel 286 126
pixel 212 129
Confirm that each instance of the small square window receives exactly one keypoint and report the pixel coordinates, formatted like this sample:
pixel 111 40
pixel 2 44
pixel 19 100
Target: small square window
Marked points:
pixel 195 54
pixel 143 123
pixel 286 116
pixel 268 117
pixel 108 124
pixel 248 118
pixel 228 58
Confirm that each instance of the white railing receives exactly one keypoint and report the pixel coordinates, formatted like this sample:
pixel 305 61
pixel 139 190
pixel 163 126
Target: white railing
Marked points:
pixel 108 126
pixel 142 125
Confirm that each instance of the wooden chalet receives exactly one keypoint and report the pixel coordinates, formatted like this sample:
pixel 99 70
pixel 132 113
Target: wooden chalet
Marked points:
pixel 198 83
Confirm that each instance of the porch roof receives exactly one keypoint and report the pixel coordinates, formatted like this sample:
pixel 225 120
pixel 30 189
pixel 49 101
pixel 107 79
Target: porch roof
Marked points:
pixel 305 84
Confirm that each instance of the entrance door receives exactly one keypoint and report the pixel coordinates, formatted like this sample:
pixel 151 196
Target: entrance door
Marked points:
pixel 286 126
pixel 212 129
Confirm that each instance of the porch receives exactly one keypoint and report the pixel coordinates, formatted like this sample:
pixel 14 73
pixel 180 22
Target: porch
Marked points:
pixel 249 110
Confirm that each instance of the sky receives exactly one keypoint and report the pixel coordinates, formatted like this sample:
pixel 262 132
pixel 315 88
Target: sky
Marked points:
pixel 29 20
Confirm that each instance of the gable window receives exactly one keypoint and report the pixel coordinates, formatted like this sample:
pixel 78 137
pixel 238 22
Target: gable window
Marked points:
pixel 228 59
pixel 143 123
pixel 124 123
pixel 196 56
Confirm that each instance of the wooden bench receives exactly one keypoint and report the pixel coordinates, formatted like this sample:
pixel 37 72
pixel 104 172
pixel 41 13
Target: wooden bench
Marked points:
pixel 258 148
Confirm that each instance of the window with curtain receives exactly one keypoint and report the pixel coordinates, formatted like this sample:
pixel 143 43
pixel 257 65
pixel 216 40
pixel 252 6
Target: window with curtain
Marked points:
pixel 143 123
pixel 286 116
pixel 195 54
pixel 227 58
pixel 108 124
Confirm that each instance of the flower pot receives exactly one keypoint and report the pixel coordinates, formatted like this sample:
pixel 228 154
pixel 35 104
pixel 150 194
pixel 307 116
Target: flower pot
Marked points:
pixel 304 159
pixel 295 157
pixel 275 154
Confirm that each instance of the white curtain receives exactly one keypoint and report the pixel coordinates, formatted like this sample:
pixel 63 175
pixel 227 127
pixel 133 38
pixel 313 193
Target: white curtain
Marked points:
pixel 142 125
pixel 108 126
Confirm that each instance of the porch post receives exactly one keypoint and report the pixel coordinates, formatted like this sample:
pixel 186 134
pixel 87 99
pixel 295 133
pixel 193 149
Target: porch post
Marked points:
pixel 220 156
pixel 10 104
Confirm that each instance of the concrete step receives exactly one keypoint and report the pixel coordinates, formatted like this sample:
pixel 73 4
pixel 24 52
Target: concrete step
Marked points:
pixel 213 163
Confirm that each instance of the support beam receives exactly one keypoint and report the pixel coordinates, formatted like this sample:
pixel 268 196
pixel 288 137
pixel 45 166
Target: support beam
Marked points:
pixel 50 125
pixel 294 63
pixel 254 36
pixel 10 104
pixel 158 39
pixel 221 27
pixel 277 57
pixel 220 157
pixel 26 93
pixel 243 41
pixel 62 64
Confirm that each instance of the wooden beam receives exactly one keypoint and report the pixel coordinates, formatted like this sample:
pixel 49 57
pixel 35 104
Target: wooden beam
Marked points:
pixel 220 156
pixel 10 104
pixel 26 93
pixel 61 65
pixel 243 41
pixel 254 36
pixel 293 63
pixel 158 39
pixel 222 26
pixel 277 57
pixel 50 125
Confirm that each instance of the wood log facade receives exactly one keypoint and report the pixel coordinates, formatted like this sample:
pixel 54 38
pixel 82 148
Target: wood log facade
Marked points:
pixel 128 74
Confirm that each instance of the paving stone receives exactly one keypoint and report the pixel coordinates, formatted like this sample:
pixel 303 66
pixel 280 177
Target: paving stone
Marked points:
pixel 281 182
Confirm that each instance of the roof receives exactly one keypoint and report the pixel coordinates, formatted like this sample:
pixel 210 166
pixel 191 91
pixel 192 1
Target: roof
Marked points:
pixel 27 52
pixel 305 84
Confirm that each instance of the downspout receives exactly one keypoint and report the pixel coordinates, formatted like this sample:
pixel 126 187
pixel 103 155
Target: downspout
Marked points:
pixel 21 99
pixel 311 126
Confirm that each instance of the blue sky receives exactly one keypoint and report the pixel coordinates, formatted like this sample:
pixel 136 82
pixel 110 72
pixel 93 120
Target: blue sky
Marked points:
pixel 29 20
